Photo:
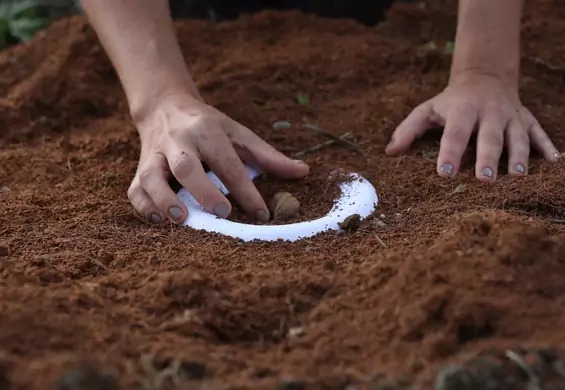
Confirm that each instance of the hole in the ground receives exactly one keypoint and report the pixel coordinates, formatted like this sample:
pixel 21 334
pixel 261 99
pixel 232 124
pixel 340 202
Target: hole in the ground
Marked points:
pixel 316 194
pixel 469 332
pixel 266 319
pixel 236 313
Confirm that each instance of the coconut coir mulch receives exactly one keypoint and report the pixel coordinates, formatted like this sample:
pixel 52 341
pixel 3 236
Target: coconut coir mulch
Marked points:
pixel 467 290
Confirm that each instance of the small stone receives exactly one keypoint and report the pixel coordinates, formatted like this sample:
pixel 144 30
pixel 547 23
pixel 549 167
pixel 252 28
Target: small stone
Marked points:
pixel 4 190
pixel 296 331
pixel 398 215
pixel 379 224
pixel 281 125
pixel 351 223
pixel 86 378
pixel 382 216
pixel 283 206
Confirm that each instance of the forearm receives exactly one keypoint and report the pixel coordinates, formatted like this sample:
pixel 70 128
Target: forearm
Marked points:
pixel 488 39
pixel 140 41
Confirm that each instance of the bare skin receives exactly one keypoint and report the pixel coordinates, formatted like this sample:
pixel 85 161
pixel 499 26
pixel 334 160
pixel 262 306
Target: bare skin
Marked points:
pixel 482 95
pixel 178 129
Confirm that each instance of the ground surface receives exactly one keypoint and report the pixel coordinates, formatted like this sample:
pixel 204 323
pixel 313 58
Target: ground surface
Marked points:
pixel 466 274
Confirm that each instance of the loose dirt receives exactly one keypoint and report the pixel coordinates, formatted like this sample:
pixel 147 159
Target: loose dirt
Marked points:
pixel 453 282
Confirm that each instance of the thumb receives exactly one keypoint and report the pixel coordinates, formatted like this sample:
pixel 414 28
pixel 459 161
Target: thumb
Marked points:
pixel 412 127
pixel 254 150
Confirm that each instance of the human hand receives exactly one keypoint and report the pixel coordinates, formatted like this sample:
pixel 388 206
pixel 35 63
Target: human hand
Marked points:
pixel 180 133
pixel 481 103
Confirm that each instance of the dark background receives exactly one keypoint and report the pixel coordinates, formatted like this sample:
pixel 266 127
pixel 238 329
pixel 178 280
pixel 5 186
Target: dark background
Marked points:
pixel 368 12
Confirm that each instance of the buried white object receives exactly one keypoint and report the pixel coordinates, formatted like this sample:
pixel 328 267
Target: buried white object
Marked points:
pixel 358 196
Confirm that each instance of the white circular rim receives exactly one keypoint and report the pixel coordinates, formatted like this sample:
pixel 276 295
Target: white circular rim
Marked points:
pixel 358 196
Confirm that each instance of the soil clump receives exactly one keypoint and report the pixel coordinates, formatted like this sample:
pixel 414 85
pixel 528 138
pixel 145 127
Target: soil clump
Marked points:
pixel 447 272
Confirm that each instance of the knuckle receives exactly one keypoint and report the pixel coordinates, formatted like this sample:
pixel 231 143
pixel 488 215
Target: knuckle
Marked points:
pixel 520 146
pixel 489 154
pixel 197 129
pixel 528 124
pixel 456 134
pixel 177 133
pixel 145 207
pixel 140 202
pixel 495 107
pixel 494 137
pixel 182 165
pixel 204 124
pixel 234 174
pixel 490 145
pixel 133 190
pixel 422 109
pixel 521 137
pixel 161 201
pixel 232 179
pixel 145 175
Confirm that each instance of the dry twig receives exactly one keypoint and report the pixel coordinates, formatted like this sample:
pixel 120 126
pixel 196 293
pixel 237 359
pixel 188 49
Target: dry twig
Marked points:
pixel 380 241
pixel 534 382
pixel 336 138
pixel 314 148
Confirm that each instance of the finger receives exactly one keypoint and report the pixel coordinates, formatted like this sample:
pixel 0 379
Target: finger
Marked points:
pixel 543 144
pixel 220 155
pixel 252 149
pixel 518 148
pixel 142 203
pixel 153 180
pixel 490 142
pixel 411 128
pixel 459 125
pixel 188 170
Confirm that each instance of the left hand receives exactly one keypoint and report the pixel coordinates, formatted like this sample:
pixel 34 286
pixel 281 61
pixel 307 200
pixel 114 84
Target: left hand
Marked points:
pixel 483 103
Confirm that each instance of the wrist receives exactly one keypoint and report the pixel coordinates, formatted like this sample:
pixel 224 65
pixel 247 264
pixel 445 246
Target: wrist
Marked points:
pixel 148 97
pixel 470 74
pixel 488 40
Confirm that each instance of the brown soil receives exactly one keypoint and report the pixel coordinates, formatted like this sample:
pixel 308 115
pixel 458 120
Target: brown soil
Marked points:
pixel 465 276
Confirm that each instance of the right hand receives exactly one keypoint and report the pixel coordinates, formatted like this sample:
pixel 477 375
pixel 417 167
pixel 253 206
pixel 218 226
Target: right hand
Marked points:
pixel 181 132
pixel 481 103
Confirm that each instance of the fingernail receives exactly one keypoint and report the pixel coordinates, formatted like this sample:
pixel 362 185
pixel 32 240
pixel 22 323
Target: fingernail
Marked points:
pixel 557 155
pixel 155 218
pixel 447 169
pixel 487 172
pixel 262 216
pixel 222 210
pixel 175 212
pixel 520 168
pixel 299 161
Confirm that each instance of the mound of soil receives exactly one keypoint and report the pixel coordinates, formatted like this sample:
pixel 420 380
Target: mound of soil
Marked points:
pixel 453 284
